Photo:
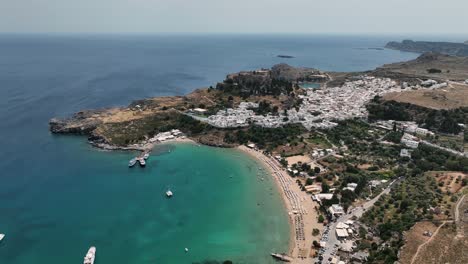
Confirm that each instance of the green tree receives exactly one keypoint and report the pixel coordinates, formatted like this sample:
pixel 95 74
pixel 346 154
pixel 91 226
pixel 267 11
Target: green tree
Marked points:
pixel 321 219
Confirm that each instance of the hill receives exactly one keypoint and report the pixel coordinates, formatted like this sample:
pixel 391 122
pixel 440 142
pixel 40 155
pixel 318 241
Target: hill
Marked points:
pixel 279 80
pixel 449 48
pixel 427 66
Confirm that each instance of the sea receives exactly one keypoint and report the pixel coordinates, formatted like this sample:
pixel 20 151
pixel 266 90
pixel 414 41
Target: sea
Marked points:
pixel 59 195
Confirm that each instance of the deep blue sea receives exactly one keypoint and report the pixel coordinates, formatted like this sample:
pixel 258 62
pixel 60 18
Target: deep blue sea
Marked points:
pixel 58 195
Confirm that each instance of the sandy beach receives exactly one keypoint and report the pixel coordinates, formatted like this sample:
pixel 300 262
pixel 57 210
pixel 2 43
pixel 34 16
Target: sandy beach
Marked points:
pixel 299 205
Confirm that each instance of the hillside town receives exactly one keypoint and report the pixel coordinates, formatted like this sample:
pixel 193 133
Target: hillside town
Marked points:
pixel 320 108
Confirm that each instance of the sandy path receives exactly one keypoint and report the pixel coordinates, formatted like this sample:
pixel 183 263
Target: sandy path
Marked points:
pixel 437 231
pixel 300 207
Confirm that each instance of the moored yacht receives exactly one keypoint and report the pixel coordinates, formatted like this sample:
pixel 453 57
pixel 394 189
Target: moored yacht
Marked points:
pixel 169 194
pixel 146 156
pixel 90 256
pixel 142 162
pixel 2 236
pixel 132 162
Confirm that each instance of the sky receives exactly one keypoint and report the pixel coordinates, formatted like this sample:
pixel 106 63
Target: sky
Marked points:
pixel 235 16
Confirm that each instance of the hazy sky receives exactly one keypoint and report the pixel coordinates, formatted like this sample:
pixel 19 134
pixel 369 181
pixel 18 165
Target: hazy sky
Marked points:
pixel 268 16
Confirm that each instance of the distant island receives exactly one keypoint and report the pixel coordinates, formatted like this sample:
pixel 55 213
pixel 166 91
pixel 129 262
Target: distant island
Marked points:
pixel 285 56
pixel 449 48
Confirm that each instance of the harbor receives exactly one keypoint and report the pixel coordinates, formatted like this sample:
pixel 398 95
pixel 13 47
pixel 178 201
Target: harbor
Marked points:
pixel 140 159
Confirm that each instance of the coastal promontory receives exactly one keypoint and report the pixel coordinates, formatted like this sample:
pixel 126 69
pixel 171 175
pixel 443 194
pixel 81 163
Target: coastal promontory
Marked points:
pixel 449 48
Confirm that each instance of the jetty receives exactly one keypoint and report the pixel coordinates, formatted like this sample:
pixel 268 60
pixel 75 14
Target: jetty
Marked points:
pixel 141 159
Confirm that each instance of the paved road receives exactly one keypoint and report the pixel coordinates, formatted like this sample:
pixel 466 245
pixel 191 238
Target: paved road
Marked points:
pixel 333 242
pixel 461 154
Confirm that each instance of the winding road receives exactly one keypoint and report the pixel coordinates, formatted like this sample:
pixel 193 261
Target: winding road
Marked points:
pixel 333 241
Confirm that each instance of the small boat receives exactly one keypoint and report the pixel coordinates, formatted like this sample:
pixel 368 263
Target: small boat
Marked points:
pixel 90 256
pixel 169 194
pixel 282 257
pixel 146 156
pixel 142 162
pixel 2 236
pixel 186 249
pixel 132 162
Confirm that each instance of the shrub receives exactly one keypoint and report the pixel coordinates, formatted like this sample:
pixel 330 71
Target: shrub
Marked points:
pixel 433 70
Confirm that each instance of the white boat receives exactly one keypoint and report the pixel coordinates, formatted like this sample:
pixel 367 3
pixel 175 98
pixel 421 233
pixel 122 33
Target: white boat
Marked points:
pixel 186 249
pixel 142 162
pixel 90 256
pixel 2 236
pixel 146 156
pixel 282 257
pixel 169 193
pixel 132 162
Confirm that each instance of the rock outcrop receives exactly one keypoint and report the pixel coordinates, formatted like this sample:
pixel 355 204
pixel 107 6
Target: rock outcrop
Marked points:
pixel 81 123
pixel 279 80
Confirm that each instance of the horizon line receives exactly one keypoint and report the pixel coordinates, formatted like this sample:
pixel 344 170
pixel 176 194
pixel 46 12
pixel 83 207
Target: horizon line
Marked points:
pixel 235 33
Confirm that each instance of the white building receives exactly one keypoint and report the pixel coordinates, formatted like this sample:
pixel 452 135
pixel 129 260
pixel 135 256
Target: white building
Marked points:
pixel 428 83
pixel 410 143
pixel 322 196
pixel 405 153
pixel 423 132
pixel 336 210
pixel 351 186
pixel 199 111
pixel 341 233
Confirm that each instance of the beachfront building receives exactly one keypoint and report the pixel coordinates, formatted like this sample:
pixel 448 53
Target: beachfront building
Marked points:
pixel 322 196
pixel 164 136
pixel 315 188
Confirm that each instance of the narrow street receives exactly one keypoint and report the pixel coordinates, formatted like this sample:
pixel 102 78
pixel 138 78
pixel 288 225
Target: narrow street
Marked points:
pixel 333 242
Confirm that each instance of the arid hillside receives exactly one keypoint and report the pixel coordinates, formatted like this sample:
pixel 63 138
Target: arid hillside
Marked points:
pixel 453 96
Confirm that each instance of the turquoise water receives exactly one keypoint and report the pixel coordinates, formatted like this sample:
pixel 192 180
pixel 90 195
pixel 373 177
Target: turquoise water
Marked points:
pixel 58 196
pixel 221 209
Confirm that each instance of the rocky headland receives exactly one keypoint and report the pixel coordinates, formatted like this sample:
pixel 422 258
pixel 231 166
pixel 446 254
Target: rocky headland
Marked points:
pixel 448 48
